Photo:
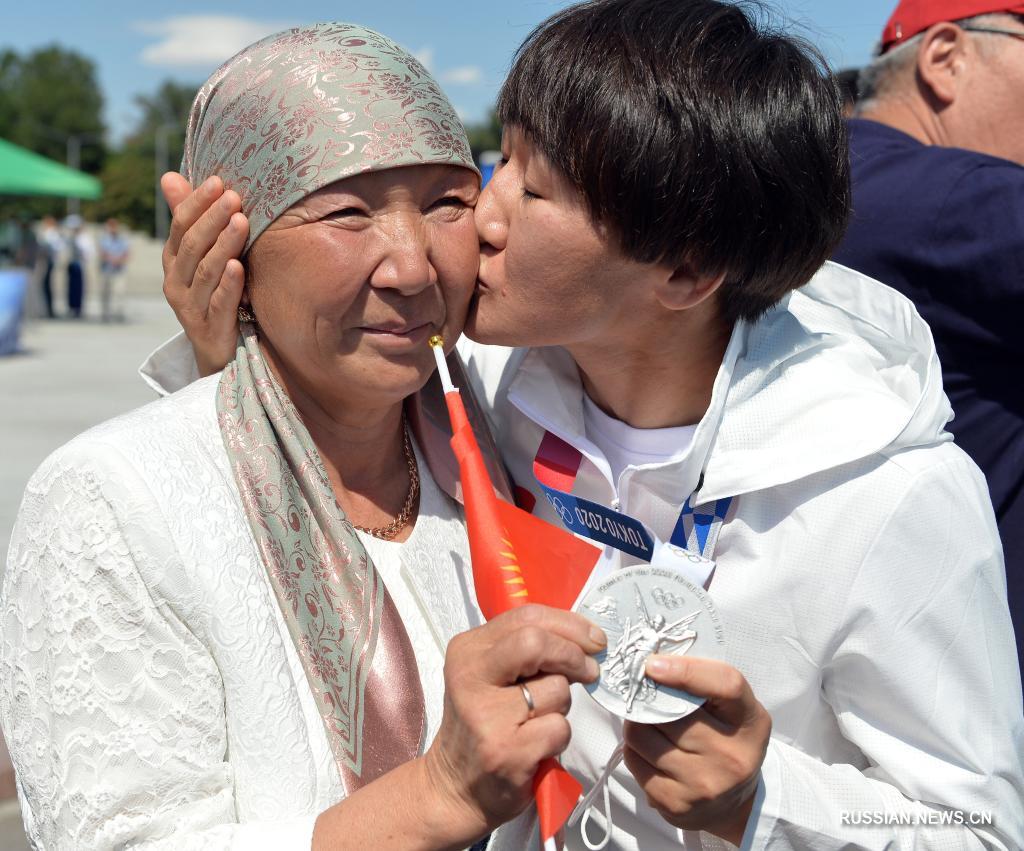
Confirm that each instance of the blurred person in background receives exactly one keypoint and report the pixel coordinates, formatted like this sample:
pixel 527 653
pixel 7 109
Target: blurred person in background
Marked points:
pixel 114 253
pixel 10 239
pixel 53 245
pixel 27 255
pixel 18 244
pixel 81 250
pixel 937 150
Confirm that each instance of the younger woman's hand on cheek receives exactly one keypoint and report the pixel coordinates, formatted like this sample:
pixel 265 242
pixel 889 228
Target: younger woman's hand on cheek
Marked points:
pixel 203 277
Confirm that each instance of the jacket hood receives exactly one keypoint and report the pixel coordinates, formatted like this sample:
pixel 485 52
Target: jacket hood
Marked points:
pixel 841 369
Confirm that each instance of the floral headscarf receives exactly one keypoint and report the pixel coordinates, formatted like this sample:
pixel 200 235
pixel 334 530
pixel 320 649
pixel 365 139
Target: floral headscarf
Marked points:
pixel 285 117
pixel 303 108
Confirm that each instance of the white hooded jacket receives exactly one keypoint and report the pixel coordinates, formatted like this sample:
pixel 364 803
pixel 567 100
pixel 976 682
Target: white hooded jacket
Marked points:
pixel 860 578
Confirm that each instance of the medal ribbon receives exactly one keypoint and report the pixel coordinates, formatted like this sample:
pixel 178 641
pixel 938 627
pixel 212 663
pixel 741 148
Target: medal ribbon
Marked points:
pixel 556 467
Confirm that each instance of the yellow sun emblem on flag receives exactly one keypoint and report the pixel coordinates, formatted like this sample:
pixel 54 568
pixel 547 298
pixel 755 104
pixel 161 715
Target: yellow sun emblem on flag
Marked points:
pixel 516 577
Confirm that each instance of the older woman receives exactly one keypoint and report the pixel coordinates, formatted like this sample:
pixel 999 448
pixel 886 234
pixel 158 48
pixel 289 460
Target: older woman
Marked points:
pixel 228 617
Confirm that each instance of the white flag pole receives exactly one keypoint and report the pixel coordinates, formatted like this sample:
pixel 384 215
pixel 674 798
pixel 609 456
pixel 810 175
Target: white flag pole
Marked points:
pixel 437 344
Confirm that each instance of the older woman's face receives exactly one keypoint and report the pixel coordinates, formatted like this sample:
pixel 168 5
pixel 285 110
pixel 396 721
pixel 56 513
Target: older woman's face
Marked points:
pixel 348 284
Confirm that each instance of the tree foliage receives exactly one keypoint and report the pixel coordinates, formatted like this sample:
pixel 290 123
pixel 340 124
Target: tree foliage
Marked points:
pixel 129 192
pixel 47 96
pixel 9 66
pixel 485 136
pixel 155 145
pixel 50 94
pixel 168 107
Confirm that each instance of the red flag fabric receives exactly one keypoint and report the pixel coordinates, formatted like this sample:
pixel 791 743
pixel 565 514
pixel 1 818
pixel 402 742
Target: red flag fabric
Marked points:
pixel 518 559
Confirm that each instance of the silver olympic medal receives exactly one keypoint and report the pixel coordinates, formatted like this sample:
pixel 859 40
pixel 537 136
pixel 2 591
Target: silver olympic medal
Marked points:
pixel 645 610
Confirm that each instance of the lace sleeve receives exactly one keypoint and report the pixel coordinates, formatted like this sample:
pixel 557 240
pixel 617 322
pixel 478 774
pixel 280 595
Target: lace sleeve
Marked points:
pixel 113 710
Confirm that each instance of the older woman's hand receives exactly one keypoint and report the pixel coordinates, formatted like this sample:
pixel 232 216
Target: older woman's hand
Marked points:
pixel 203 279
pixel 489 746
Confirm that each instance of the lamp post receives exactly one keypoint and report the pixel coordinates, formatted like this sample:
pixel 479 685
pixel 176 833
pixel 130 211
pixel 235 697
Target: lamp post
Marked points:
pixel 161 155
pixel 73 147
pixel 161 162
pixel 74 159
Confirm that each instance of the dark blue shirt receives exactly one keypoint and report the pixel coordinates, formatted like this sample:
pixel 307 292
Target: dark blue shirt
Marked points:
pixel 945 226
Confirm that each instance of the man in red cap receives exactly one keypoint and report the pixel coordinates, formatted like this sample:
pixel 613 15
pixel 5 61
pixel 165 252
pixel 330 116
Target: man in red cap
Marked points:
pixel 937 150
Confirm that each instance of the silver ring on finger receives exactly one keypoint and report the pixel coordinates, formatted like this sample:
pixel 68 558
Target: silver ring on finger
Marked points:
pixel 531 707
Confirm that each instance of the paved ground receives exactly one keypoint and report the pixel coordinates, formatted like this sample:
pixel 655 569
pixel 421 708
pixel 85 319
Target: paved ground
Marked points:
pixel 75 374
pixel 71 376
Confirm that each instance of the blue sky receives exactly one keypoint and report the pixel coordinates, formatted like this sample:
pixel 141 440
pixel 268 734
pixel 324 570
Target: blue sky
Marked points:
pixel 466 44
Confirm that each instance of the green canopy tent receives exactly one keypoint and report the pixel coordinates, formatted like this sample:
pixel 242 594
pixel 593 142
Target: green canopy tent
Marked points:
pixel 25 173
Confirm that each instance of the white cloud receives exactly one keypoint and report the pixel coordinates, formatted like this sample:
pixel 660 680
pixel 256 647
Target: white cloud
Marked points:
pixel 466 75
pixel 201 40
pixel 426 56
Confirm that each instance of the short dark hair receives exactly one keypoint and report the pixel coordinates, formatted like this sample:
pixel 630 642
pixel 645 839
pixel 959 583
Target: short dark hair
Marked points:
pixel 695 134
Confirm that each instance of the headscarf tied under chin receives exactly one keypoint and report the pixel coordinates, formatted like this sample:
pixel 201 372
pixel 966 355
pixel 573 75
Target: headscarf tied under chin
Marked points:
pixel 283 118
pixel 306 107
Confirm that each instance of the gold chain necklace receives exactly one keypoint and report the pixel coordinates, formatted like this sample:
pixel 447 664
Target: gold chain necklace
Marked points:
pixel 388 532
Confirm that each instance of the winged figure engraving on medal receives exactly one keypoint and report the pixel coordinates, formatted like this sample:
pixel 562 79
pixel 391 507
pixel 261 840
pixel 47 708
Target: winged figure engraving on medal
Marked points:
pixel 623 671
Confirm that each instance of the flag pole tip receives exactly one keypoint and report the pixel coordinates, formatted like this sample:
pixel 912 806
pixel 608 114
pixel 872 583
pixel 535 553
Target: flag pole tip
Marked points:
pixel 437 344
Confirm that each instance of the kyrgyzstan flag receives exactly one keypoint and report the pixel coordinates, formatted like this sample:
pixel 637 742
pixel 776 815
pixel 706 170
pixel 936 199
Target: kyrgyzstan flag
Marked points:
pixel 519 559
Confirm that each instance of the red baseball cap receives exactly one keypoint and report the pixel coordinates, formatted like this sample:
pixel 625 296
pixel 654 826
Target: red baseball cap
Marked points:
pixel 914 16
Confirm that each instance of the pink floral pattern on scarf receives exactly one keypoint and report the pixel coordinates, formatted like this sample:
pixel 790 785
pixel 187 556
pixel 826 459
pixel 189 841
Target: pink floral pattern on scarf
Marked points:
pixel 303 108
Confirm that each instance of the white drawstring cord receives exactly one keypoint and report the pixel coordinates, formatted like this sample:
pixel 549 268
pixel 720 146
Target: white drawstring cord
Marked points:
pixel 583 808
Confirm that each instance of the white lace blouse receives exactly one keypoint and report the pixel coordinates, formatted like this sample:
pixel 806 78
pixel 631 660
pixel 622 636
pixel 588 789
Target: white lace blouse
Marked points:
pixel 438 531
pixel 150 693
